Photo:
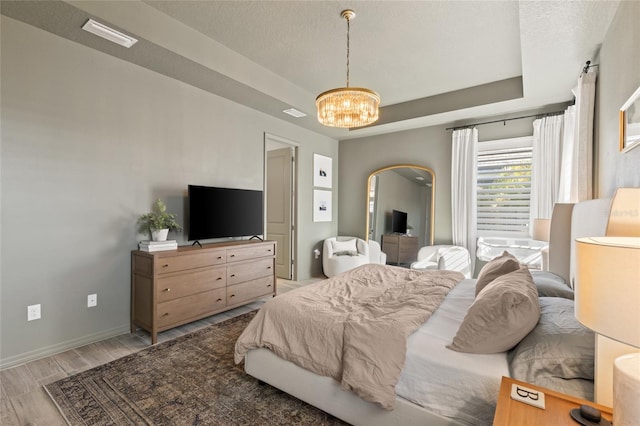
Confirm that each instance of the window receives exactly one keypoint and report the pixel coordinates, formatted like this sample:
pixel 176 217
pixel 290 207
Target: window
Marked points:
pixel 504 187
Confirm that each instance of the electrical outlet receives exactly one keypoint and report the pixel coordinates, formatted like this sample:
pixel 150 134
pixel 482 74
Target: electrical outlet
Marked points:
pixel 92 300
pixel 33 312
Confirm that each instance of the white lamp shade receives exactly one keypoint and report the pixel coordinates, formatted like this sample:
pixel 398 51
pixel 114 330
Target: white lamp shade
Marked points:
pixel 626 390
pixel 541 229
pixel 607 298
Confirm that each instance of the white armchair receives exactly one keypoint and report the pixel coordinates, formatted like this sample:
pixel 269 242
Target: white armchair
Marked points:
pixel 341 254
pixel 452 258
pixel 376 255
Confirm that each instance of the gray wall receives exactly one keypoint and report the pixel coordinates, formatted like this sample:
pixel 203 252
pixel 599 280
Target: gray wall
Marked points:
pixel 618 78
pixel 423 147
pixel 429 147
pixel 88 142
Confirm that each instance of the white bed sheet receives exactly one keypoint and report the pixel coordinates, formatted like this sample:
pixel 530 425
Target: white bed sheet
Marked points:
pixel 449 383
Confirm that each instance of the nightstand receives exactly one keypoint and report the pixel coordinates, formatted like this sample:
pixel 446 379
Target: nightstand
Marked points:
pixel 556 412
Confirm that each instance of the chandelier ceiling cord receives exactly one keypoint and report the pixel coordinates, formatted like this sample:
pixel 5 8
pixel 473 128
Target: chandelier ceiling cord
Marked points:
pixel 348 107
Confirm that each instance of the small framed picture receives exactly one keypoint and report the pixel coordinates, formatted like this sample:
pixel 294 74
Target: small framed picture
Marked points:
pixel 321 205
pixel 322 171
pixel 630 122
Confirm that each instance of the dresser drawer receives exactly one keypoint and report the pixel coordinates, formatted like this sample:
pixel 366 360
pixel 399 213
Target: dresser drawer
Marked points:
pixel 174 286
pixel 179 310
pixel 237 254
pixel 237 273
pixel 249 290
pixel 166 264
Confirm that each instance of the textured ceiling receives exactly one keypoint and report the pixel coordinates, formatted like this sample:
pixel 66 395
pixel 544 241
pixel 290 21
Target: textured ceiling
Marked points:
pixel 431 61
pixel 396 47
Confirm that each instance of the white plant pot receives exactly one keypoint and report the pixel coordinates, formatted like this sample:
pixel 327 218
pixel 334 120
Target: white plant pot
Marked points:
pixel 159 234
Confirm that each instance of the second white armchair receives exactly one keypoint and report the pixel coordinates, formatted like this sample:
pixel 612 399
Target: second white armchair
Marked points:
pixel 452 258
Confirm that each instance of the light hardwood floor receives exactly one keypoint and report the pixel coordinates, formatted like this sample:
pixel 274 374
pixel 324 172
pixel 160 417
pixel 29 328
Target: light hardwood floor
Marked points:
pixel 23 400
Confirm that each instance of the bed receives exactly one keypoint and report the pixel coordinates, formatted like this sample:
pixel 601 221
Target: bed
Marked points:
pixel 435 385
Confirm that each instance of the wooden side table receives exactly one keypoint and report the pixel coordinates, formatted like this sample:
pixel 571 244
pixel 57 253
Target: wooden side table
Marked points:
pixel 556 412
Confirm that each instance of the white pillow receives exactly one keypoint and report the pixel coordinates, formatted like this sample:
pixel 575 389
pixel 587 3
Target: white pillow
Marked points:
pixel 348 245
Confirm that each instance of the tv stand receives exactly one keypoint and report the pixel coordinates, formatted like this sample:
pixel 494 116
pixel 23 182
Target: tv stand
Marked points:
pixel 400 248
pixel 175 287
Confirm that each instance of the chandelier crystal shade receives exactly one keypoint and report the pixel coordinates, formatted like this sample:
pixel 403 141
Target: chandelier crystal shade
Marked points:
pixel 348 107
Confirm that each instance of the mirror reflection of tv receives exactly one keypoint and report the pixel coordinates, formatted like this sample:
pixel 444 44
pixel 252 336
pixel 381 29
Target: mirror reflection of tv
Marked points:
pixel 224 212
pixel 398 222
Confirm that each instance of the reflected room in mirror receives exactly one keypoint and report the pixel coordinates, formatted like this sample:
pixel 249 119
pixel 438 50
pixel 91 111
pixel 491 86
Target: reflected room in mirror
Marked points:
pixel 401 196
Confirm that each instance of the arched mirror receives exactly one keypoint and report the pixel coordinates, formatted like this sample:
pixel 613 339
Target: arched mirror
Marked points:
pixel 397 197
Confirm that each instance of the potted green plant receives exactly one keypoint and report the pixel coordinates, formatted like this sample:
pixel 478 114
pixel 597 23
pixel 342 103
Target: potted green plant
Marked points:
pixel 158 223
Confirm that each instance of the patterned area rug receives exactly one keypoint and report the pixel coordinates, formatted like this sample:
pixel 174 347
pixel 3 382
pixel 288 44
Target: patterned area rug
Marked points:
pixel 191 380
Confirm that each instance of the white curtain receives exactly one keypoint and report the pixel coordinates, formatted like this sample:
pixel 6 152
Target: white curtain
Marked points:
pixel 463 189
pixel 566 165
pixel 546 158
pixel 576 176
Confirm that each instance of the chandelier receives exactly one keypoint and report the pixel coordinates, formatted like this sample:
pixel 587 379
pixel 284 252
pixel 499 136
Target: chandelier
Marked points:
pixel 348 107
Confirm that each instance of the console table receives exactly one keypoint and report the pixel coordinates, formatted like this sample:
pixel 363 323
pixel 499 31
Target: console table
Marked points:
pixel 400 248
pixel 175 287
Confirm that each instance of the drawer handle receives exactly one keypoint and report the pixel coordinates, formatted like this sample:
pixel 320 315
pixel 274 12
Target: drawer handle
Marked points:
pixel 233 275
pixel 167 290
pixel 166 265
pixel 219 300
pixel 269 250
pixel 219 257
pixel 233 255
pixel 218 279
pixel 166 314
pixel 233 295
pixel 269 285
pixel 268 267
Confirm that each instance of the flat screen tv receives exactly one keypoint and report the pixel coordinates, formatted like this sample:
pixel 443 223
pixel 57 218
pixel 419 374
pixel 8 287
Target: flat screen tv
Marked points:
pixel 398 222
pixel 224 212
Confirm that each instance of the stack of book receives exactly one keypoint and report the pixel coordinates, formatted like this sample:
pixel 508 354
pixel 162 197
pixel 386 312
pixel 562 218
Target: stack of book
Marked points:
pixel 152 246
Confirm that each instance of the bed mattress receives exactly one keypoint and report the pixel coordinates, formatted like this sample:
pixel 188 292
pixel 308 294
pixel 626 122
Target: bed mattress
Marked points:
pixel 453 384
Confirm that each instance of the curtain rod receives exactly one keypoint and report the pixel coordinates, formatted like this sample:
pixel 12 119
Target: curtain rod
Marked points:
pixel 587 65
pixel 547 114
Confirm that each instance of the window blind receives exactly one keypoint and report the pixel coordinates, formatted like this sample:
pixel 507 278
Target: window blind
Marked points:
pixel 504 190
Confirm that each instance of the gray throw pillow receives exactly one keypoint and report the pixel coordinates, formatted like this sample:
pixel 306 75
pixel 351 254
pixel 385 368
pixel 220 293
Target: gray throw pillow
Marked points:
pixel 346 253
pixel 558 347
pixel 502 314
pixel 503 264
pixel 551 285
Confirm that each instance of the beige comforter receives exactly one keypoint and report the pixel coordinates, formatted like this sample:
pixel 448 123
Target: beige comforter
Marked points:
pixel 352 327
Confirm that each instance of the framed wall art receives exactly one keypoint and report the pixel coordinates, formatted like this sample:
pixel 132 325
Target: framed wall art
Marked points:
pixel 321 205
pixel 322 171
pixel 630 122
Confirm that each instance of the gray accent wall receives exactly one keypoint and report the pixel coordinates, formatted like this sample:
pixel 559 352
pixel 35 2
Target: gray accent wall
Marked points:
pixel 429 147
pixel 89 141
pixel 618 78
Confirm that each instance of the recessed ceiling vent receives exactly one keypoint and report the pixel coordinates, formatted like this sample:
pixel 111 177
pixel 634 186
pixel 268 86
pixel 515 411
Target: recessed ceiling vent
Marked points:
pixel 110 34
pixel 294 112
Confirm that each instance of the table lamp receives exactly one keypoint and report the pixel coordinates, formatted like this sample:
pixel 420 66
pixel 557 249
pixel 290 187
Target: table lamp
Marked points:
pixel 607 300
pixel 541 228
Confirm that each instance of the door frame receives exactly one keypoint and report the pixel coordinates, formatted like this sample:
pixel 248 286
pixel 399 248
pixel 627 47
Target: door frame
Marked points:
pixel 284 142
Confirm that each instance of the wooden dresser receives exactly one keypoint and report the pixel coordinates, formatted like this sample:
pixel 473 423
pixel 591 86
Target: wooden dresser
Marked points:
pixel 174 287
pixel 400 248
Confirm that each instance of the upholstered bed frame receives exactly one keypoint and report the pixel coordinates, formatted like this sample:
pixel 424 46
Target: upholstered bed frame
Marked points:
pixel 568 222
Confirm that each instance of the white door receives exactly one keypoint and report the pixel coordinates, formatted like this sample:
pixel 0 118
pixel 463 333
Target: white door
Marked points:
pixel 279 207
